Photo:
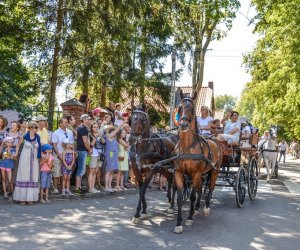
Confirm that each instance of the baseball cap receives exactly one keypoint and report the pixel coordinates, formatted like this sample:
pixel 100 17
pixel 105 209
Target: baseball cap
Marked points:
pixel 84 116
pixel 46 147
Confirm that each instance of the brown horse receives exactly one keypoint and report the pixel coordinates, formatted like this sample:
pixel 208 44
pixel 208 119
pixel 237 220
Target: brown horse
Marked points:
pixel 148 148
pixel 198 156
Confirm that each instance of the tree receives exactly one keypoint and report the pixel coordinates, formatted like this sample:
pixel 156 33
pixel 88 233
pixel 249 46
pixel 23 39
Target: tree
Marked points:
pixel 275 67
pixel 197 23
pixel 16 30
pixel 225 102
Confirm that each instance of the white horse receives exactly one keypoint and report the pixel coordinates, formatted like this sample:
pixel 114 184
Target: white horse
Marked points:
pixel 268 152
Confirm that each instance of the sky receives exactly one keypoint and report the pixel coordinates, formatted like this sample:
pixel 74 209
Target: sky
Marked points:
pixel 223 62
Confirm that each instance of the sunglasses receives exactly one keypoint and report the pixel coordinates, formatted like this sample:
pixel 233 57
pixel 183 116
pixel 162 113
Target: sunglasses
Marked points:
pixel 35 127
pixel 66 135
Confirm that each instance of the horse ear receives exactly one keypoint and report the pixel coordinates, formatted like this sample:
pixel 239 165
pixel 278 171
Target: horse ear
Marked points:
pixel 143 106
pixel 181 94
pixel 194 95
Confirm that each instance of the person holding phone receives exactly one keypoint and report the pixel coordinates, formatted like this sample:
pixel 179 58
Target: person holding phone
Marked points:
pixel 232 128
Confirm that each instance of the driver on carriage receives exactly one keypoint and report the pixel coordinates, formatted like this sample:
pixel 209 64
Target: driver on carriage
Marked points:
pixel 231 128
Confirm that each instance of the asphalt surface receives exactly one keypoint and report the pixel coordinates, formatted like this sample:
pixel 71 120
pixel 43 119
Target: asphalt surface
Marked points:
pixel 104 221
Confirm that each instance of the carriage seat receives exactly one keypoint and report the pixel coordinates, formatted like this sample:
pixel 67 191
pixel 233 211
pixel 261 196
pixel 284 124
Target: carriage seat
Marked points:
pixel 233 144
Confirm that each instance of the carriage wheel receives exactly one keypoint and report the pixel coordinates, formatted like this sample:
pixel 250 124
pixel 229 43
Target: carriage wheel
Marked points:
pixel 276 170
pixel 252 179
pixel 240 186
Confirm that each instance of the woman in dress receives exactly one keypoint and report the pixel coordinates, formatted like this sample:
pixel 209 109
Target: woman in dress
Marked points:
pixel 111 155
pixel 27 181
pixel 204 121
pixel 123 159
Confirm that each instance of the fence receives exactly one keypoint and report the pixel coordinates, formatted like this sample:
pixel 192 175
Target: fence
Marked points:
pixel 57 114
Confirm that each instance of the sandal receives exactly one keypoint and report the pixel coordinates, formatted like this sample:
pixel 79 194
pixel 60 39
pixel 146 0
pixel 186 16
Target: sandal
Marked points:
pixel 22 203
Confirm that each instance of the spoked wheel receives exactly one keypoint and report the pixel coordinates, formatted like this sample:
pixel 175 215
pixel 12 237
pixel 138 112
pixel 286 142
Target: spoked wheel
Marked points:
pixel 276 170
pixel 240 186
pixel 252 179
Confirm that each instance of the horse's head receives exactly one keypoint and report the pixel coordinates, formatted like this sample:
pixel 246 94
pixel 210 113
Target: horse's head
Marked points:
pixel 187 112
pixel 139 121
pixel 273 131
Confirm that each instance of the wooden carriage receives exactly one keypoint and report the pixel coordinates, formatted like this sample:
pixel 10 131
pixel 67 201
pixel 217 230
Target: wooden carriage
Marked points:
pixel 239 168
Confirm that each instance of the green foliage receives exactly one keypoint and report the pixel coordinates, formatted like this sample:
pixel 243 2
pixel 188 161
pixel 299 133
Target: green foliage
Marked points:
pixel 273 94
pixel 15 32
pixel 225 102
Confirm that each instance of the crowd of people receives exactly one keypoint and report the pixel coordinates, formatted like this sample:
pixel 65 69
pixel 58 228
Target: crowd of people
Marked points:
pixel 36 161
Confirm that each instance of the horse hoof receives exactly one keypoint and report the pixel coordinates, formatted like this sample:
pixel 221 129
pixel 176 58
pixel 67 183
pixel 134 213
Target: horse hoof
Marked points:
pixel 206 211
pixel 170 210
pixel 136 220
pixel 178 229
pixel 196 212
pixel 143 216
pixel 188 222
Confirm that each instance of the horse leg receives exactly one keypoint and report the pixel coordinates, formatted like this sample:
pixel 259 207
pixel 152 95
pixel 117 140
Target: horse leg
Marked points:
pixel 199 192
pixel 137 215
pixel 213 178
pixel 174 189
pixel 179 183
pixel 146 182
pixel 189 220
pixel 268 170
pixel 169 179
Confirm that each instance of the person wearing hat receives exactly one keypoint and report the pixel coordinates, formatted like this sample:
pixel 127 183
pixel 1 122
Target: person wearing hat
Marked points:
pixel 8 161
pixel 27 181
pixel 42 131
pixel 204 121
pixel 46 164
pixel 58 138
pixel 83 149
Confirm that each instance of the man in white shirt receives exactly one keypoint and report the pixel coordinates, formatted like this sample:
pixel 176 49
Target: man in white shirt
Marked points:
pixel 231 128
pixel 59 136
pixel 282 150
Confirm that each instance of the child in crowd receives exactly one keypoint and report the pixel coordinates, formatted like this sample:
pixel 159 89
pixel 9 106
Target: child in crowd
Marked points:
pixel 7 164
pixel 46 165
pixel 67 167
pixel 122 159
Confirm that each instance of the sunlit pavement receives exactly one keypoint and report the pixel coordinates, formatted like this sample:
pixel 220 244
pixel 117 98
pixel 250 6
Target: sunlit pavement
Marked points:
pixel 269 222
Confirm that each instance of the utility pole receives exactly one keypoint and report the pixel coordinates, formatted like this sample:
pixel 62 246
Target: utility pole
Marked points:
pixel 172 102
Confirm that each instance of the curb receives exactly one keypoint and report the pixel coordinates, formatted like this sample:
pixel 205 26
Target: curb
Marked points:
pixel 102 194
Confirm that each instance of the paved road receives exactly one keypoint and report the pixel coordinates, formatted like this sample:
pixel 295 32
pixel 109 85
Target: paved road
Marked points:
pixel 269 222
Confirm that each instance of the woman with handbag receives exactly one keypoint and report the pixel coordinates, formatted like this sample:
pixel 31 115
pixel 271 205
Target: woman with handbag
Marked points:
pixel 95 162
pixel 122 159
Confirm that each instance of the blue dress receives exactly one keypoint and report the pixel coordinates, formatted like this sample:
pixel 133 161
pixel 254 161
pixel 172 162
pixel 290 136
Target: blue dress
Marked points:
pixel 7 162
pixel 111 154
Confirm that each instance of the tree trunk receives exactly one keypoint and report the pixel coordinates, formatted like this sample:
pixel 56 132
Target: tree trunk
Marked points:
pixel 103 94
pixel 143 65
pixel 85 79
pixel 53 80
pixel 202 58
pixel 195 62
